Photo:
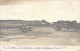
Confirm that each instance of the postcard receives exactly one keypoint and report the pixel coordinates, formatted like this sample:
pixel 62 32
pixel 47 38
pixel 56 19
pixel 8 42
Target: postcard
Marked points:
pixel 39 25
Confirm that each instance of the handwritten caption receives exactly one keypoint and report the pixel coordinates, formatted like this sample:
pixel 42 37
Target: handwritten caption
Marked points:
pixel 35 48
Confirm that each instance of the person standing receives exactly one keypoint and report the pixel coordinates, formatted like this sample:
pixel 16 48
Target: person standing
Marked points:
pixel 0 31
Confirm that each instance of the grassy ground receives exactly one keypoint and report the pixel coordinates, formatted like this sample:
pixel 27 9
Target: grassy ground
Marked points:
pixel 42 36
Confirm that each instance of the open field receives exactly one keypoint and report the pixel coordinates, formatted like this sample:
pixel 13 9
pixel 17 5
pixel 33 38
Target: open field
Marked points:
pixel 42 36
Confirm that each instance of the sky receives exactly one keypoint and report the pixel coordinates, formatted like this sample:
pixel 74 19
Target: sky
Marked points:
pixel 50 10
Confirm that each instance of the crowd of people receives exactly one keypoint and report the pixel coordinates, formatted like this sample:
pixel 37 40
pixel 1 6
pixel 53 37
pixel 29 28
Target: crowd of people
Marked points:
pixel 59 25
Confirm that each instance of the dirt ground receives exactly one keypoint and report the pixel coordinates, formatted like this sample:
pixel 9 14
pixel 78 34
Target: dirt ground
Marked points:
pixel 40 36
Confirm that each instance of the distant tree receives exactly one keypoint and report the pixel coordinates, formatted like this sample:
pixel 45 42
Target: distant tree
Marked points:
pixel 78 26
pixel 73 23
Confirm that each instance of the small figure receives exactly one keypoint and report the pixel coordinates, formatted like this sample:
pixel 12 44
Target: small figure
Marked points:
pixel 25 28
pixel 0 32
pixel 59 28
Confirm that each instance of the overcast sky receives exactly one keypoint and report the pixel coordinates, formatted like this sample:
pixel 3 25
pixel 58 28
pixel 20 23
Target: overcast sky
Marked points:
pixel 37 10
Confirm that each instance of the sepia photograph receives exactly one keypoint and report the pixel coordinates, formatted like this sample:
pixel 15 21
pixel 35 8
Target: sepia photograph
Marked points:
pixel 39 23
